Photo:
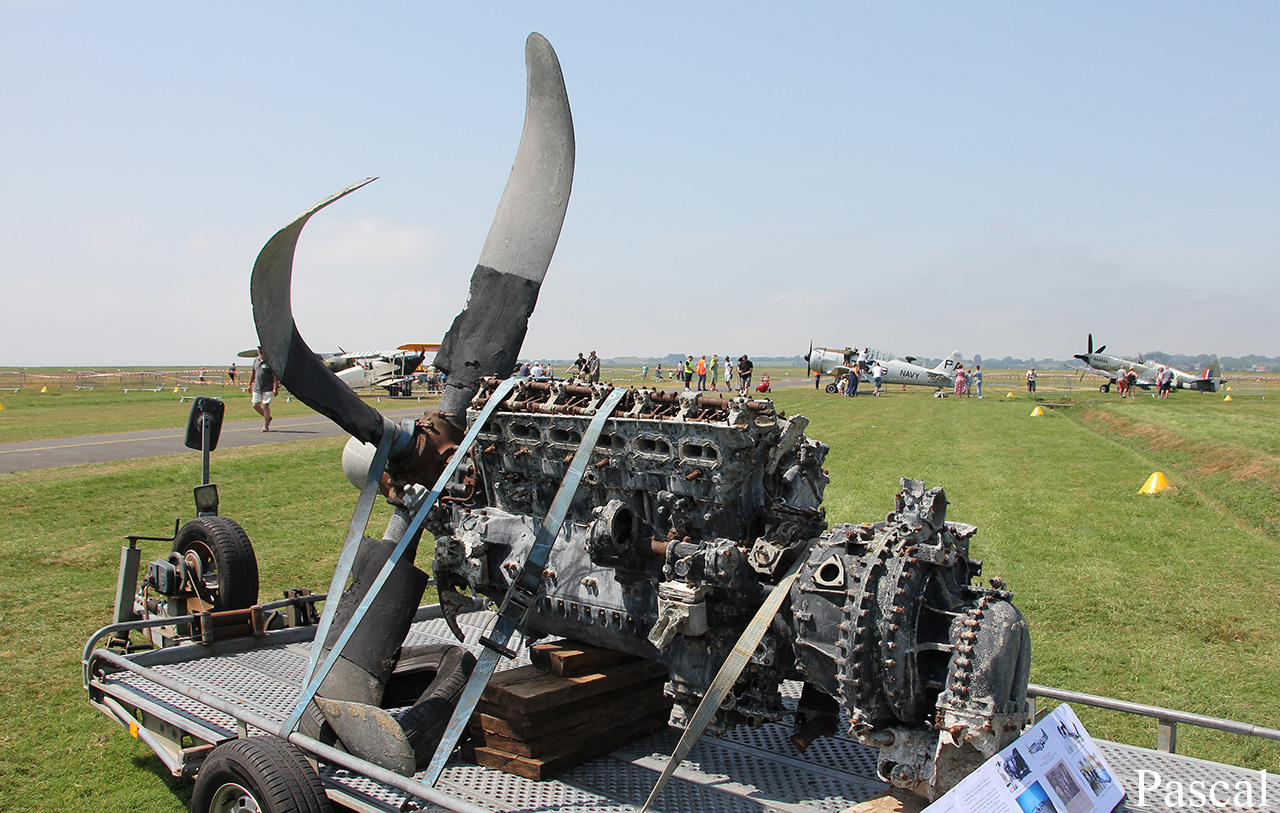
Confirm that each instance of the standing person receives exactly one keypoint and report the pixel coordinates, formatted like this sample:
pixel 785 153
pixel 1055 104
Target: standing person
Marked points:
pixel 1132 378
pixel 644 372
pixel 263 385
pixel 855 374
pixel 537 370
pixel 1031 381
pixel 526 369
pixel 593 368
pixel 688 372
pixel 877 376
pixel 1166 382
pixel 744 374
pixel 962 381
pixel 201 375
pixel 701 369
pixel 714 363
pixel 231 372
pixel 578 367
pixel 657 372
pixel 728 374
pixel 977 379
pixel 817 379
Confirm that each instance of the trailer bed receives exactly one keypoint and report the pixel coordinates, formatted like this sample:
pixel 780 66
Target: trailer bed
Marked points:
pixel 746 771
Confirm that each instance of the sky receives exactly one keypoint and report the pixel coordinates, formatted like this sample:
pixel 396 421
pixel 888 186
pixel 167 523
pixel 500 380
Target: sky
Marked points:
pixel 998 178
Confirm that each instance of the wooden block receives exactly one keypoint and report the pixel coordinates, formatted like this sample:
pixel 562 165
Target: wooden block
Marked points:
pixel 549 742
pixel 498 720
pixel 528 689
pixel 549 765
pixel 569 658
pixel 891 801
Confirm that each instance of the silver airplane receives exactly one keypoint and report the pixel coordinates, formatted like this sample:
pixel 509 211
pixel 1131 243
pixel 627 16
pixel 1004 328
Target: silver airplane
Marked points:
pixel 1109 368
pixel 896 370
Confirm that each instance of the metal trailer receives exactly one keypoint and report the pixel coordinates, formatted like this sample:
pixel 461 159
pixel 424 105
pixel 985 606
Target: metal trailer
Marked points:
pixel 184 700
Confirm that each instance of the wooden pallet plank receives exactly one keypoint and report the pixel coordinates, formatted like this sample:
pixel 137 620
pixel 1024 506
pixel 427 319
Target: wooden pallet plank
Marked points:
pixel 527 689
pixel 569 658
pixel 544 743
pixel 500 721
pixel 549 765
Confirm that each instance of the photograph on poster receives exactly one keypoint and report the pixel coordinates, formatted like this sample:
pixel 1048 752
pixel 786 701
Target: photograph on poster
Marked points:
pixel 1095 773
pixel 1071 735
pixel 1068 789
pixel 1037 745
pixel 1035 800
pixel 1014 766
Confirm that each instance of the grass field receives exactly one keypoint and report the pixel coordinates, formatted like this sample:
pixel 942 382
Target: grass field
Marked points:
pixel 1169 599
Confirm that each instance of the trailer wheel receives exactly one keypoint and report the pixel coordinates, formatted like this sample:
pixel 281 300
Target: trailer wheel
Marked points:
pixel 261 774
pixel 228 567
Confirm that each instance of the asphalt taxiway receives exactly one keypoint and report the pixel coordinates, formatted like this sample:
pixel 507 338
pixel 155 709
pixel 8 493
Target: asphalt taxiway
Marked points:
pixel 46 454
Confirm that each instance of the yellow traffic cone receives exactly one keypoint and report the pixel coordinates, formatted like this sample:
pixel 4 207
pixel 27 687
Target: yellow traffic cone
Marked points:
pixel 1228 398
pixel 1 407
pixel 1229 389
pixel 1155 484
pixel 175 387
pixel 1008 395
pixel 1037 412
pixel 44 389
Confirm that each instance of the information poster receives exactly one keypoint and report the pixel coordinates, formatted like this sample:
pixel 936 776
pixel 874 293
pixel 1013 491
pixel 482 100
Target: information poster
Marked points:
pixel 1053 768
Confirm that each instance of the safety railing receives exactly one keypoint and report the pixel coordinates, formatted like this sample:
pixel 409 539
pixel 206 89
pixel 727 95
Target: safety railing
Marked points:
pixel 1167 720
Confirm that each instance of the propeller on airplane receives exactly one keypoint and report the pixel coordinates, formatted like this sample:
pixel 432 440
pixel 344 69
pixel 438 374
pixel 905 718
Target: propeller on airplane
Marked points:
pixel 808 365
pixel 1085 356
pixel 486 336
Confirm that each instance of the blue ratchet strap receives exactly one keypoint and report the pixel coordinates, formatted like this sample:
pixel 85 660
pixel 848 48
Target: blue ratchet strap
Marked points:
pixel 729 671
pixel 313 683
pixel 521 594
pixel 355 533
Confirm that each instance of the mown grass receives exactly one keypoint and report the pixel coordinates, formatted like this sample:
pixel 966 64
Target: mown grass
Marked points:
pixel 1168 599
pixel 59 550
pixel 32 415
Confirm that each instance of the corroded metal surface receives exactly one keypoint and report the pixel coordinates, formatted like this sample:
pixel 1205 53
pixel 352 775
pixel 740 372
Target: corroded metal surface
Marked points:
pixel 691 511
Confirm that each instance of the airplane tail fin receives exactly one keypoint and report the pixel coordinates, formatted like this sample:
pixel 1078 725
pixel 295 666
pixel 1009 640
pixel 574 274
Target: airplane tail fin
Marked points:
pixel 1205 383
pixel 948 365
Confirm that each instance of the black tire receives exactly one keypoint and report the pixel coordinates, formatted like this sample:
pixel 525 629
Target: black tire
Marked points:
pixel 265 774
pixel 1105 388
pixel 227 562
pixel 833 389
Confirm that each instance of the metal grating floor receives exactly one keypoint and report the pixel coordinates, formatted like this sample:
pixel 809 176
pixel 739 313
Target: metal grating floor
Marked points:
pixel 747 771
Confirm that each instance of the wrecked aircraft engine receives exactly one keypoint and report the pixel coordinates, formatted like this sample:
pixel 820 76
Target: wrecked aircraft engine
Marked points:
pixel 657 523
pixel 691 509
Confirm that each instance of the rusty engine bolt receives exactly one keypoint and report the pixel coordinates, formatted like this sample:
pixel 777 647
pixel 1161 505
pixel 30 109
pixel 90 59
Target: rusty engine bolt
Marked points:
pixel 521 452
pixel 693 475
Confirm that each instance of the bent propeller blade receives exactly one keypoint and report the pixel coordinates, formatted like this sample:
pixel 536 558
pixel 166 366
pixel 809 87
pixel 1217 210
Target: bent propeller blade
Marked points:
pixel 485 337
pixel 284 348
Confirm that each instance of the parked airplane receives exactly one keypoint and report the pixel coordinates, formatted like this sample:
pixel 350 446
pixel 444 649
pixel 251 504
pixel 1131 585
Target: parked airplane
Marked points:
pixel 896 370
pixel 1109 366
pixel 391 369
